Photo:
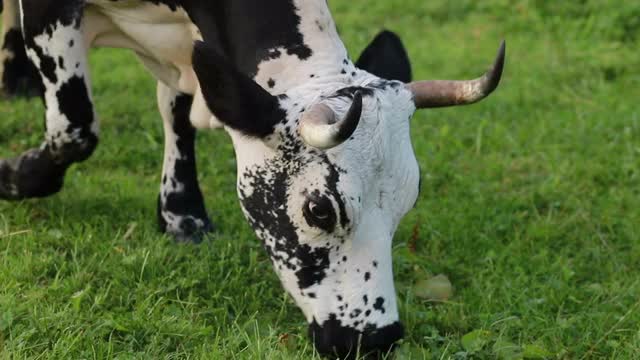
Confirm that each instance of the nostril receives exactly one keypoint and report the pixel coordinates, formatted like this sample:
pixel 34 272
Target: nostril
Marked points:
pixel 333 339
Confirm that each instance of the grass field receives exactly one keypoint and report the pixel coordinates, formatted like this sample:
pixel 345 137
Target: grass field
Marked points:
pixel 530 204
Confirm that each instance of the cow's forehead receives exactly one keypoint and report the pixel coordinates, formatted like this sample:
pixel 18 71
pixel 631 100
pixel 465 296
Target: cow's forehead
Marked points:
pixel 387 109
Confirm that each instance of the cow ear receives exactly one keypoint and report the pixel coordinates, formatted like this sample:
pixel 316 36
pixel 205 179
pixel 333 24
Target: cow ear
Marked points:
pixel 235 99
pixel 386 57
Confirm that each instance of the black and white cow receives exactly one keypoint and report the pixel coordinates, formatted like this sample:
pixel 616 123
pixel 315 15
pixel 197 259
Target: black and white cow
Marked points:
pixel 326 168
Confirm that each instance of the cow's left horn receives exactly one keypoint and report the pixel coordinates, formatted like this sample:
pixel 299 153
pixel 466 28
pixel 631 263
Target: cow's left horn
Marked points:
pixel 319 128
pixel 441 93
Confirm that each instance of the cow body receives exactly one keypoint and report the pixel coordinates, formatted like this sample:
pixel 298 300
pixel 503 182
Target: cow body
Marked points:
pixel 326 169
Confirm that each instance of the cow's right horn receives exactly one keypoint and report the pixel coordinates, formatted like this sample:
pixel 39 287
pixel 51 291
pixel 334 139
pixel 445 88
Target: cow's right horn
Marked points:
pixel 319 128
pixel 441 93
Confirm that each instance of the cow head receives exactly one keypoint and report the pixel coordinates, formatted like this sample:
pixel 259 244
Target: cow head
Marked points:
pixel 326 171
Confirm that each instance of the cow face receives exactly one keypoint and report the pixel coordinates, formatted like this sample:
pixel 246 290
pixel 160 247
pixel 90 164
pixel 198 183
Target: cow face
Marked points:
pixel 325 173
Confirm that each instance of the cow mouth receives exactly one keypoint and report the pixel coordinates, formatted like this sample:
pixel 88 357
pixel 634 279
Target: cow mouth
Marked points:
pixel 333 339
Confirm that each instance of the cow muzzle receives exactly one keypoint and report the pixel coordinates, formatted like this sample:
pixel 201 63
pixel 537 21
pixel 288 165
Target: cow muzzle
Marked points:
pixel 331 339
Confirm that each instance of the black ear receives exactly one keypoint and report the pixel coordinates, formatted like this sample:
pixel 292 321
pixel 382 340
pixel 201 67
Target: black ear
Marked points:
pixel 387 58
pixel 232 96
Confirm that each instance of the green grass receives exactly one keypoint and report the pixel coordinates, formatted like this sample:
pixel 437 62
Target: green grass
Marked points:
pixel 530 204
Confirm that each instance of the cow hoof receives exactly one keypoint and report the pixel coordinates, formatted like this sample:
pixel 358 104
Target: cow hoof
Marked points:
pixel 32 175
pixel 192 230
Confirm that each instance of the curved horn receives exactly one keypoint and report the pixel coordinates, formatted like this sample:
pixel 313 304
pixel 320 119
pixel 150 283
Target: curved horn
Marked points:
pixel 440 93
pixel 319 128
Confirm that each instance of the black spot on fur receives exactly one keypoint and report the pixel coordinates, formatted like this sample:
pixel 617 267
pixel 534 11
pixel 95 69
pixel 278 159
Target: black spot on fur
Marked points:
pixel 316 262
pixel 379 305
pixel 74 103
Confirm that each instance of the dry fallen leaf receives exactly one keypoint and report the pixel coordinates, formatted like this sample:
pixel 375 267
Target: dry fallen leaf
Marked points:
pixel 437 288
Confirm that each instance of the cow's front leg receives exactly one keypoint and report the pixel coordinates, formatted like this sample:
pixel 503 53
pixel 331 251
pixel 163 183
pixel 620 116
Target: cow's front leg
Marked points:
pixel 181 209
pixel 19 75
pixel 55 44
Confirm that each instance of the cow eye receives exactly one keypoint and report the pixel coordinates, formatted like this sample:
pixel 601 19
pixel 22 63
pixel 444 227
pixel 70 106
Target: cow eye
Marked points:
pixel 319 212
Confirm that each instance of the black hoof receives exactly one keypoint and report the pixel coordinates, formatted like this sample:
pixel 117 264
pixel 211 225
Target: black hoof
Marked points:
pixel 34 174
pixel 193 231
pixel 185 228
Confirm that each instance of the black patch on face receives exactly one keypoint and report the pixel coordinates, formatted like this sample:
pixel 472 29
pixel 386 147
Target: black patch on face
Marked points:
pixel 267 210
pixel 367 276
pixel 332 184
pixel 333 339
pixel 271 83
pixel 350 92
pixel 314 262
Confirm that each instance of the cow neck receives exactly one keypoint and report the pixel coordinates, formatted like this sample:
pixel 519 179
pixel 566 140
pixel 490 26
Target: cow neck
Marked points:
pixel 281 44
